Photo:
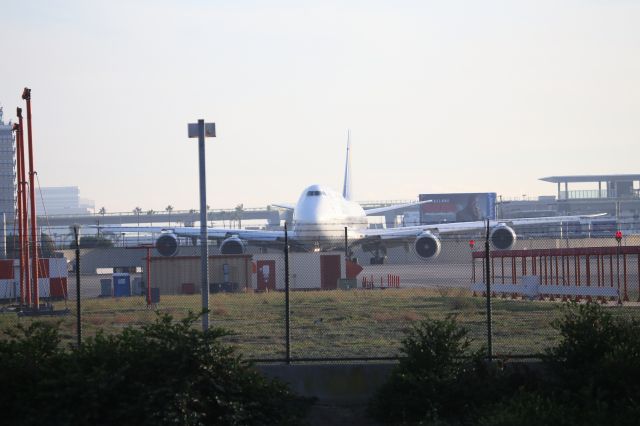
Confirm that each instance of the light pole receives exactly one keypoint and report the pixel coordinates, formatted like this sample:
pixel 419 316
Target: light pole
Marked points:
pixel 201 130
pixel 488 285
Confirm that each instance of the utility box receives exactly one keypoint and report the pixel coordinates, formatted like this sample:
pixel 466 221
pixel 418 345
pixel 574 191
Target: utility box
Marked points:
pixel 105 287
pixel 121 284
pixel 138 289
pixel 347 283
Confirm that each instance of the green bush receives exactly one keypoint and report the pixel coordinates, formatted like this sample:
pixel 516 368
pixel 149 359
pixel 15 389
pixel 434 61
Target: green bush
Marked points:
pixel 591 377
pixel 440 378
pixel 166 372
pixel 530 409
pixel 537 408
pixel 598 355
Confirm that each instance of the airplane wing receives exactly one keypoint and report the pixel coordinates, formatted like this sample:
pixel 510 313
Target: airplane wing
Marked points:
pixel 194 231
pixel 456 227
pixel 369 212
pixel 426 239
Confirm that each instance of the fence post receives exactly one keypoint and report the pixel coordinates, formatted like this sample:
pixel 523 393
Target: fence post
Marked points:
pixel 346 244
pixel 76 229
pixel 488 294
pixel 619 240
pixel 286 296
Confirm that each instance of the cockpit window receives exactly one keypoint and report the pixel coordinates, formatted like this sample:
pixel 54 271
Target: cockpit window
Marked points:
pixel 315 193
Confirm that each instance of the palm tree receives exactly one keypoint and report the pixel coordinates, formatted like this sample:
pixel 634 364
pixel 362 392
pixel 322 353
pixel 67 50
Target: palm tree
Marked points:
pixel 70 236
pixel 137 212
pixel 151 212
pixel 238 213
pixel 169 209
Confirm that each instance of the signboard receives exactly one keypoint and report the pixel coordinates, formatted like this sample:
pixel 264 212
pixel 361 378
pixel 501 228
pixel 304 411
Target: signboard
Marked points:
pixel 460 207
pixel 209 130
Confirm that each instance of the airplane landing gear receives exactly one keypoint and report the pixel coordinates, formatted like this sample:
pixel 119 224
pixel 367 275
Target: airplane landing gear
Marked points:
pixel 378 259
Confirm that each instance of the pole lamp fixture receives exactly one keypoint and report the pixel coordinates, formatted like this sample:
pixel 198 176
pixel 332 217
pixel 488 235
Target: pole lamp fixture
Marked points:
pixel 202 130
pixel 76 237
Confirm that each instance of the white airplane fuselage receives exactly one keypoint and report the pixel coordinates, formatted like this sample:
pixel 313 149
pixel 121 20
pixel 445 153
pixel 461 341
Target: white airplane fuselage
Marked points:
pixel 321 215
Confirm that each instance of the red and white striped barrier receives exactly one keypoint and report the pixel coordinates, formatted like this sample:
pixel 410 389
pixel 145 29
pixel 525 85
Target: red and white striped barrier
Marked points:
pixel 52 278
pixel 393 281
pixel 7 281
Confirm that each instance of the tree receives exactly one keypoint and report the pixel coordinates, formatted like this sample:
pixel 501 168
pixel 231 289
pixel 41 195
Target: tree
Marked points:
pixel 169 209
pixel 238 214
pixel 102 211
pixel 439 377
pixel 164 373
pixel 137 211
pixel 151 212
pixel 47 246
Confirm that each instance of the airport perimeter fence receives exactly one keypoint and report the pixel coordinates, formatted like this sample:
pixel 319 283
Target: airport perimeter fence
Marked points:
pixel 344 304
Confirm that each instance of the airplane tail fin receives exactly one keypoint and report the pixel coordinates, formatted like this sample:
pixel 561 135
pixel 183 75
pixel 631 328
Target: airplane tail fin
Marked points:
pixel 346 187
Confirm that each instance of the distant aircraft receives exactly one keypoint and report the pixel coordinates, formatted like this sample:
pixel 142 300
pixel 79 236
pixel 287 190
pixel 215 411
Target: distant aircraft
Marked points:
pixel 319 220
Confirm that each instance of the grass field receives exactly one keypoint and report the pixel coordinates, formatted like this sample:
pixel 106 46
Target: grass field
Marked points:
pixel 332 324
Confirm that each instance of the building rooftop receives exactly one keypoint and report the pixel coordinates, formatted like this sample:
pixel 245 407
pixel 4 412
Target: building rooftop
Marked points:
pixel 591 178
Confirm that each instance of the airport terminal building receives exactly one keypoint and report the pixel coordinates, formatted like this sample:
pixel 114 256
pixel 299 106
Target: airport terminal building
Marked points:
pixel 7 170
pixel 616 195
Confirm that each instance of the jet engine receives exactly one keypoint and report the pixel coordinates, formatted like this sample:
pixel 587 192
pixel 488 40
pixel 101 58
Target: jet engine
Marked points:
pixel 427 246
pixel 167 244
pixel 233 245
pixel 502 237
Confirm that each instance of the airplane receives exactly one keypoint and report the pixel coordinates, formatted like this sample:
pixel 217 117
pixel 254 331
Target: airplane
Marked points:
pixel 319 220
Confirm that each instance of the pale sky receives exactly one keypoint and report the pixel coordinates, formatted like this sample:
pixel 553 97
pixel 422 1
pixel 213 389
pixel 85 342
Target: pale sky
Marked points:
pixel 447 96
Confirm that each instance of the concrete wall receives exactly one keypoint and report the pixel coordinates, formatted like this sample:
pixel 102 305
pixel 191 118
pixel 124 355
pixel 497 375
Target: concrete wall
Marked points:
pixel 332 383
pixel 350 383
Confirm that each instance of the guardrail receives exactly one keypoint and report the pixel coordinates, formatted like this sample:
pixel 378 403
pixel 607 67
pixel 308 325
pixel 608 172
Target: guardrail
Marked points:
pixel 570 272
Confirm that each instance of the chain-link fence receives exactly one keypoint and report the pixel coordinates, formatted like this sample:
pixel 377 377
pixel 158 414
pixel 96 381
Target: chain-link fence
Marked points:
pixel 345 302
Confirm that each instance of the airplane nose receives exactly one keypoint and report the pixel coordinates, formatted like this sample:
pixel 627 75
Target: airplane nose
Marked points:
pixel 306 216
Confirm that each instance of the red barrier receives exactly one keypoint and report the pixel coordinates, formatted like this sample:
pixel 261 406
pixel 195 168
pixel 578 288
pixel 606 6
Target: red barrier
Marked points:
pixel 568 267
